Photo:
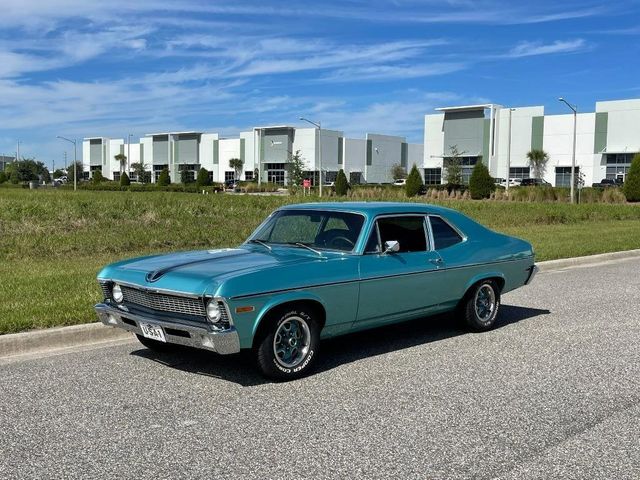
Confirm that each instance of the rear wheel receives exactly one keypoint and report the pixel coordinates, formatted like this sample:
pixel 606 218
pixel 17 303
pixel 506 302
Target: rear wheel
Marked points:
pixel 481 305
pixel 156 345
pixel 289 346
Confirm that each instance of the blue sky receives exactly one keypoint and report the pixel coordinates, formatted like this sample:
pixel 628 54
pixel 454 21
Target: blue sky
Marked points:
pixel 81 68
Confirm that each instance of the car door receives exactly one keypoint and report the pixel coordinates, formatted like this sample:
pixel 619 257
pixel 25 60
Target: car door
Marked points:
pixel 398 285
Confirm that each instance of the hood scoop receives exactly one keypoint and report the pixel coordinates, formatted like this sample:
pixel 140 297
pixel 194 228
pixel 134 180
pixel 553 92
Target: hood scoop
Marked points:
pixel 156 275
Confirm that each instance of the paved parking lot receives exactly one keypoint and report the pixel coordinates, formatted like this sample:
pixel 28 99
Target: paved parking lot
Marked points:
pixel 552 393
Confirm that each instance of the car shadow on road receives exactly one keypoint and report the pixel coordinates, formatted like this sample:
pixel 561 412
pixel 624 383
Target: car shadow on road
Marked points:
pixel 240 368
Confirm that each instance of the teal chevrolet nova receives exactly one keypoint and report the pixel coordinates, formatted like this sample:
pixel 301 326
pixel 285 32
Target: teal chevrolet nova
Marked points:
pixel 314 271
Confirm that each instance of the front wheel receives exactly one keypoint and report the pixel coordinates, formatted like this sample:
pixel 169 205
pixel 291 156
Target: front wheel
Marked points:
pixel 481 306
pixel 289 346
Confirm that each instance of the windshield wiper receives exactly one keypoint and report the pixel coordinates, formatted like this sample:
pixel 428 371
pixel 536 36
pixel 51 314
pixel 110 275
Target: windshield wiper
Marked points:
pixel 260 242
pixel 304 245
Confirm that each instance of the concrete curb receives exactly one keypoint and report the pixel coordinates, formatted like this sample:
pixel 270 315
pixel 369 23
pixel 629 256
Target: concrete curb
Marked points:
pixel 60 338
pixel 551 265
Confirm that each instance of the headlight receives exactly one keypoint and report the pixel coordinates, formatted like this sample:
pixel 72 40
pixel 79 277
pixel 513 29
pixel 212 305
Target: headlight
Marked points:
pixel 116 293
pixel 213 311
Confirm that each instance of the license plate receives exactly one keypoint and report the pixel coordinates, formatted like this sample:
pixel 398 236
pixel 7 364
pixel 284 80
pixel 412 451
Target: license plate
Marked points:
pixel 153 332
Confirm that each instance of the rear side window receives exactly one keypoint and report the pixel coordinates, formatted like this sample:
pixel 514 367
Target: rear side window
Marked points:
pixel 444 235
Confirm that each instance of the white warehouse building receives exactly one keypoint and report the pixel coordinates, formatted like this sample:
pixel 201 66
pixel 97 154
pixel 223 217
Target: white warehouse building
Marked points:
pixel 265 151
pixel 606 141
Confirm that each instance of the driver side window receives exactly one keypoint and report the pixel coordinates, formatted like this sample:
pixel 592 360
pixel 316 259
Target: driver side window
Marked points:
pixel 409 231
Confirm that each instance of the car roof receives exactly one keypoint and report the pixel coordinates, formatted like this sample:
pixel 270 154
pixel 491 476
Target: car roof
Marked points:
pixel 369 208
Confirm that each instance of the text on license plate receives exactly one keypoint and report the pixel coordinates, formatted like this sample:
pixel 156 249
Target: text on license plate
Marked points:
pixel 152 331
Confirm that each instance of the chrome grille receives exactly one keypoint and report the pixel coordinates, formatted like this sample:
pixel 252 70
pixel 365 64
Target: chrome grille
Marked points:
pixel 106 289
pixel 224 315
pixel 163 302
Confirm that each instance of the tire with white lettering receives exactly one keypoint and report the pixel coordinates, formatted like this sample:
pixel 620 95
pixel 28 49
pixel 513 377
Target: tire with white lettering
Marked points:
pixel 289 346
pixel 156 345
pixel 481 306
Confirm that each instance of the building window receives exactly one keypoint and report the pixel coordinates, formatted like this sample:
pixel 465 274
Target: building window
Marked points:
pixel 355 178
pixel 210 175
pixel 618 165
pixel 229 176
pixel 432 176
pixel 116 176
pixel 275 176
pixel 563 176
pixel 248 175
pixel 519 172
pixel 330 176
pixel 369 152
pixel 340 150
pixel 466 166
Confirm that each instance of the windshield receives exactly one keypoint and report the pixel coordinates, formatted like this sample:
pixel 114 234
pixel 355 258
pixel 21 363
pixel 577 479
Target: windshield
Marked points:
pixel 316 229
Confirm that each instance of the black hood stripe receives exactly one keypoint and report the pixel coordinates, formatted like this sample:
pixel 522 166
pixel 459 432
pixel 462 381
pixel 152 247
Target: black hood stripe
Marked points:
pixel 157 274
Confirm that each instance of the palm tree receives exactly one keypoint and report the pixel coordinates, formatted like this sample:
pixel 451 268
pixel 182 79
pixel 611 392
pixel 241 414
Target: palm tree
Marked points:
pixel 236 164
pixel 122 158
pixel 538 162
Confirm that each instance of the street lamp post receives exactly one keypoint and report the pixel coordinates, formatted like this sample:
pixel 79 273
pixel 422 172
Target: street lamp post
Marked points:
pixel 319 126
pixel 509 151
pixel 574 108
pixel 129 155
pixel 75 161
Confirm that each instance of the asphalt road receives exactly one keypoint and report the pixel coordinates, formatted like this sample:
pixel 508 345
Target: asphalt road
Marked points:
pixel 554 392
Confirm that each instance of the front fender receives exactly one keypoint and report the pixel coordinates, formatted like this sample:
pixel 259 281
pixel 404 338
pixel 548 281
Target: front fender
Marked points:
pixel 286 297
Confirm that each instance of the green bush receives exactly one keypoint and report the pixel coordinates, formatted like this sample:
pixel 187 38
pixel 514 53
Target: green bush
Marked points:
pixel 631 187
pixel 414 182
pixel 124 180
pixel 97 177
pixel 3 177
pixel 481 184
pixel 203 178
pixel 342 186
pixel 164 180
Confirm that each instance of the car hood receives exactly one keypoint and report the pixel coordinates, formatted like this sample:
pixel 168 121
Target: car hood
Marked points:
pixel 200 272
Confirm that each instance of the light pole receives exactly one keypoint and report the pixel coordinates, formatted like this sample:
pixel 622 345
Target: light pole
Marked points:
pixel 75 161
pixel 129 155
pixel 319 125
pixel 18 151
pixel 574 108
pixel 509 151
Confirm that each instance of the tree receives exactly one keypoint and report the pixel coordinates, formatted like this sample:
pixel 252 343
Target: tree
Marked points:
pixel 631 187
pixel 453 165
pixel 25 170
pixel 79 171
pixel 3 177
pixel 398 172
pixel 124 180
pixel 414 182
pixel 481 184
pixel 341 184
pixel 184 176
pixel 122 159
pixel 97 177
pixel 203 178
pixel 140 170
pixel 58 173
pixel 296 169
pixel 45 176
pixel 236 164
pixel 538 162
pixel 164 179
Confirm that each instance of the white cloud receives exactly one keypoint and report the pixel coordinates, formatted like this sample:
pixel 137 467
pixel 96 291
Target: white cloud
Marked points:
pixel 528 49
pixel 388 72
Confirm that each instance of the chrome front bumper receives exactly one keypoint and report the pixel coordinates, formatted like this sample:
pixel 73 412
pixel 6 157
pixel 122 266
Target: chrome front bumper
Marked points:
pixel 532 273
pixel 223 342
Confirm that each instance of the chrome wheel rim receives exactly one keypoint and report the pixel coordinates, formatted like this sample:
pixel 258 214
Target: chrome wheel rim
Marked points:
pixel 291 342
pixel 485 303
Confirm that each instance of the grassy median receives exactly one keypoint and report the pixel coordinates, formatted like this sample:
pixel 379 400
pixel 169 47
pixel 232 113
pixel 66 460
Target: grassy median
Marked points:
pixel 52 243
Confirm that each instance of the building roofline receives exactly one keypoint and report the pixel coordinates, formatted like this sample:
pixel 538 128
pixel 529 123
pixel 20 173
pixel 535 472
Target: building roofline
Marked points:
pixel 172 133
pixel 462 108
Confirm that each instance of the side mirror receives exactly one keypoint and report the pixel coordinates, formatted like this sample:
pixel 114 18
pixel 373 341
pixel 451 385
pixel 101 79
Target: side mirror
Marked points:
pixel 391 246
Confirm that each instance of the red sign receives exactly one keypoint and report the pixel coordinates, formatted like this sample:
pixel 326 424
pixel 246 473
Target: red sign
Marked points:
pixel 306 183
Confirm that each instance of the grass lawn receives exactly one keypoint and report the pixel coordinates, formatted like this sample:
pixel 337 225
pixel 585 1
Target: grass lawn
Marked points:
pixel 53 243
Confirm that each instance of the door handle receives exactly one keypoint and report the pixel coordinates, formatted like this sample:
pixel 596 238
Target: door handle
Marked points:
pixel 436 261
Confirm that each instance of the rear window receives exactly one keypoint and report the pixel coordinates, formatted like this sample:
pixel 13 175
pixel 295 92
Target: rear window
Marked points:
pixel 444 235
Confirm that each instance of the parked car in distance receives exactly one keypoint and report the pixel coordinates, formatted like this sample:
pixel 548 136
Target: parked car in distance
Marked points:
pixel 313 271
pixel 534 182
pixel 231 184
pixel 608 183
pixel 499 181
pixel 513 182
pixel 400 182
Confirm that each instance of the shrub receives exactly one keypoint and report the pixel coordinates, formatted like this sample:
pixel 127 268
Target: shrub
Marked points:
pixel 3 177
pixel 341 184
pixel 414 182
pixel 164 180
pixel 203 178
pixel 481 185
pixel 631 188
pixel 124 180
pixel 97 177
